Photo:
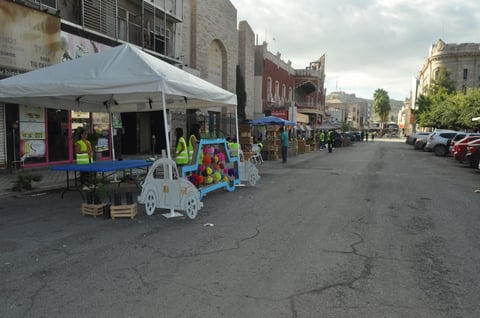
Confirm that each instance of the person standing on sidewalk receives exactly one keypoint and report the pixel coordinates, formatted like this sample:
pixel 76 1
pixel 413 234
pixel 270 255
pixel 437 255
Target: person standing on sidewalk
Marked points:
pixel 284 139
pixel 322 139
pixel 181 151
pixel 84 155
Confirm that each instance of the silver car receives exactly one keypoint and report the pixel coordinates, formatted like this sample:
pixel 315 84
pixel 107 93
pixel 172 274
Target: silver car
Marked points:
pixel 438 141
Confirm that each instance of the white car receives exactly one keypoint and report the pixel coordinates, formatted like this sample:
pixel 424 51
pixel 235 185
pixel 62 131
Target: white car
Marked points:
pixel 163 188
pixel 437 141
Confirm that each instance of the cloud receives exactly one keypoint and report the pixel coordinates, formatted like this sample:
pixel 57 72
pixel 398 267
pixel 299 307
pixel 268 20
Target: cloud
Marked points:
pixel 367 43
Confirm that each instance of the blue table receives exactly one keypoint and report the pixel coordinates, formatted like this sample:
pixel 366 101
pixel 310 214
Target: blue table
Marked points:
pixel 106 168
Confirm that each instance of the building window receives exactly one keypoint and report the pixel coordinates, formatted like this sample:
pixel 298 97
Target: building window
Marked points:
pixel 269 88
pixel 465 74
pixel 277 89
pixel 284 91
pixel 290 97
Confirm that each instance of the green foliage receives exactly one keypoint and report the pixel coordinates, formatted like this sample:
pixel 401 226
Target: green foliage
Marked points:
pixel 24 182
pixel 381 104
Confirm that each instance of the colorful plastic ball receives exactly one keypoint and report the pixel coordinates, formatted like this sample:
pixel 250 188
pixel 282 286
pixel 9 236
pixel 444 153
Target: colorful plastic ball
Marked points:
pixel 221 166
pixel 221 156
pixel 201 168
pixel 207 160
pixel 217 176
pixel 208 180
pixel 225 178
pixel 215 167
pixel 200 179
pixel 231 171
pixel 209 171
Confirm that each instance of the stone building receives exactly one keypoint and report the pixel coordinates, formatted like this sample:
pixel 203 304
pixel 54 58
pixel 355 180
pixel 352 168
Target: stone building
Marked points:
pixel 212 44
pixel 462 60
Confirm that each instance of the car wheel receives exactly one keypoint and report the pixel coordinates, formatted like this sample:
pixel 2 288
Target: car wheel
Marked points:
pixel 191 206
pixel 150 200
pixel 440 150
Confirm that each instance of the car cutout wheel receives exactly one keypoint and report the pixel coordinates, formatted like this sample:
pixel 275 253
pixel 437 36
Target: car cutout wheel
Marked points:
pixel 252 178
pixel 191 206
pixel 150 203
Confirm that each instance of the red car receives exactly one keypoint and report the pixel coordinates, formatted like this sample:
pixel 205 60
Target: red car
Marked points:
pixel 460 147
pixel 473 153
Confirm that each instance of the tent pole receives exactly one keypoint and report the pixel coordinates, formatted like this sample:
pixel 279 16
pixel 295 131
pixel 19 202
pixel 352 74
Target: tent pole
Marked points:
pixel 165 123
pixel 111 134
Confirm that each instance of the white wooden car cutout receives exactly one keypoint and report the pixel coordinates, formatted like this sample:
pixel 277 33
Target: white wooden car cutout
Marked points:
pixel 164 189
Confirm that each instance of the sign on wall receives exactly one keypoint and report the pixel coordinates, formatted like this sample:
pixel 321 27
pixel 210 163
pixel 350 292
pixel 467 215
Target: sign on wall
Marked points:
pixel 29 39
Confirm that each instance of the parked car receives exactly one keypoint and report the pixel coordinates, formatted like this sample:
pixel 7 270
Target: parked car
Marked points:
pixel 472 157
pixel 420 142
pixel 438 141
pixel 459 136
pixel 410 140
pixel 357 135
pixel 460 147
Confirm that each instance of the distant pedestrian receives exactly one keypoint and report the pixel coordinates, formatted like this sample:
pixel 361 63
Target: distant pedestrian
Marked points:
pixel 284 139
pixel 373 135
pixel 362 136
pixel 322 139
pixel 330 140
pixel 366 136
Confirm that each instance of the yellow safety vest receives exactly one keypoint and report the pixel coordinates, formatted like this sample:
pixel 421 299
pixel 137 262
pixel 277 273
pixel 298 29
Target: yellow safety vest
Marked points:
pixel 182 158
pixel 191 147
pixel 83 158
pixel 233 149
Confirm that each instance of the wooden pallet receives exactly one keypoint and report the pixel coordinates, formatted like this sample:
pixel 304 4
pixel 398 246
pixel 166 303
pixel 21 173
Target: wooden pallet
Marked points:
pixel 123 211
pixel 92 209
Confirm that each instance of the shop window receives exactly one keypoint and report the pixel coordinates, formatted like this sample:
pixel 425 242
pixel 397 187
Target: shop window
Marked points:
pixel 32 134
pixel 58 136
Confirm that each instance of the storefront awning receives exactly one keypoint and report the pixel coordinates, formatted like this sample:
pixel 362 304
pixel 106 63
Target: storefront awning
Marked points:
pixel 309 111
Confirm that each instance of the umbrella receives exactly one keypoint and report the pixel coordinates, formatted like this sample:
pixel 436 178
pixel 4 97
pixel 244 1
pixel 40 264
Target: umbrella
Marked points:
pixel 271 120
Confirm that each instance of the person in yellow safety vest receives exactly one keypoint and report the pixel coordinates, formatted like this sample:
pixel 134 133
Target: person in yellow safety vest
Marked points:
pixel 330 140
pixel 84 155
pixel 232 148
pixel 192 143
pixel 181 151
pixel 322 139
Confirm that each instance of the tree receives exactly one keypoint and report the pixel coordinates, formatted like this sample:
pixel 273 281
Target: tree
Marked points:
pixel 241 95
pixel 381 105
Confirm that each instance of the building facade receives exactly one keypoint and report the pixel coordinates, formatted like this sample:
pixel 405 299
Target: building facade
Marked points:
pixel 286 92
pixel 462 60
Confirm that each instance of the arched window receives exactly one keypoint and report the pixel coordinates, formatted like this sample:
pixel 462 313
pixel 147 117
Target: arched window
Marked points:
pixel 269 88
pixel 277 89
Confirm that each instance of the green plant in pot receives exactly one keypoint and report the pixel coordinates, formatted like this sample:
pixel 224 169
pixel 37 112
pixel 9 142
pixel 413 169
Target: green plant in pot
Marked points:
pixel 24 182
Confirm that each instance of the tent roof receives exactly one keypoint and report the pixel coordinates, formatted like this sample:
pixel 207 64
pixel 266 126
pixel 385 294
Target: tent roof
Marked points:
pixel 124 77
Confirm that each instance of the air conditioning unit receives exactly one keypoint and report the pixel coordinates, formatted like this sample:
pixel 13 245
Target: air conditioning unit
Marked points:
pixel 162 32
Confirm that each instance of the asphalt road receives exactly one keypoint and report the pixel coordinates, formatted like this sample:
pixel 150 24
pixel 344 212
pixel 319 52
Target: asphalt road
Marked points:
pixel 373 230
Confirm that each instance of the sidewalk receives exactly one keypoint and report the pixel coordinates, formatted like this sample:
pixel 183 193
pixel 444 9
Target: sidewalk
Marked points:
pixel 55 180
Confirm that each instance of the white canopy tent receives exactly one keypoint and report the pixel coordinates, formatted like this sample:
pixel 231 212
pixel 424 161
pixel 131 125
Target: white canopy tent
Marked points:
pixel 120 79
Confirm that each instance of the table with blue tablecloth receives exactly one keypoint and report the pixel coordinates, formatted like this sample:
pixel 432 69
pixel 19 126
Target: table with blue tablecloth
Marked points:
pixel 104 168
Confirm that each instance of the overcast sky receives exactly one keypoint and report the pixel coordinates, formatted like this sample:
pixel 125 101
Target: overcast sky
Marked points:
pixel 368 44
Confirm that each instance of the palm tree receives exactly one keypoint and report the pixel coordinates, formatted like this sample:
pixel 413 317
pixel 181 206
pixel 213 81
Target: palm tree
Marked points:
pixel 381 105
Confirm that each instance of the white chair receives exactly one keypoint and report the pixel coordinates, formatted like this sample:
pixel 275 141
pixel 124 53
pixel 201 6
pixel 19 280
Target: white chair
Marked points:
pixel 257 155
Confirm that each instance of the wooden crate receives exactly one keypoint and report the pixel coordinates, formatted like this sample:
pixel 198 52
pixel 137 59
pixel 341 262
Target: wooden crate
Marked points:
pixel 123 211
pixel 92 209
